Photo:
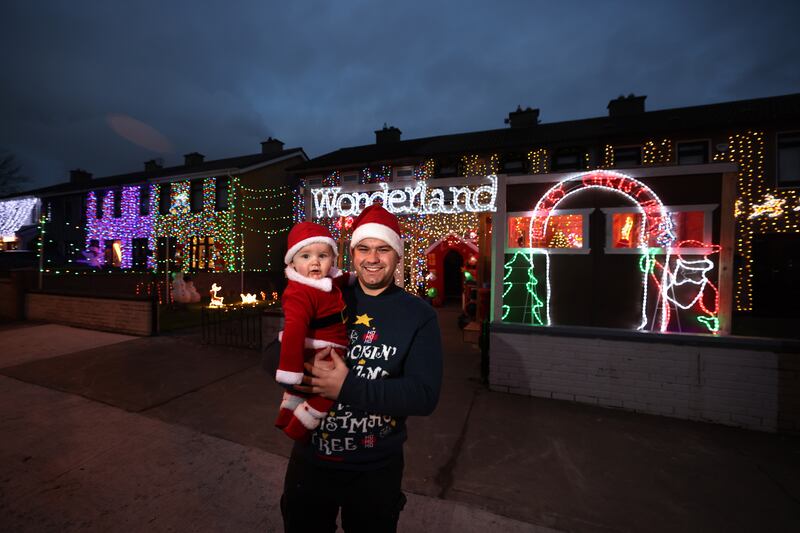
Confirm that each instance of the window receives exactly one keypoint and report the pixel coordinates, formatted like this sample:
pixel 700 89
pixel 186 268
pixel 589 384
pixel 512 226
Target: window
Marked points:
pixel 447 171
pixel 349 179
pixel 567 159
pixel 117 203
pixel 689 223
pixel 314 183
pixel 144 200
pixel 404 174
pixel 692 153
pixel 139 254
pixel 113 253
pixel 164 200
pixel 514 166
pixel 627 156
pixel 101 196
pixel 565 230
pixel 202 257
pixel 196 198
pixel 221 192
pixel 789 159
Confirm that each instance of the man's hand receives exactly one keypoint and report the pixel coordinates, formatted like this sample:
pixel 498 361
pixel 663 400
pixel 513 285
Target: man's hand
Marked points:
pixel 327 377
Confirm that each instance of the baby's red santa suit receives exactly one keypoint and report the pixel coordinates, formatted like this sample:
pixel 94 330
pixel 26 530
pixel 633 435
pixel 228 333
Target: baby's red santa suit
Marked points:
pixel 313 319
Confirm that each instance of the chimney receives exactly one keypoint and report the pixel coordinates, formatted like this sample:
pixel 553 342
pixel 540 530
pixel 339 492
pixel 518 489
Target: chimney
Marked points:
pixel 153 164
pixel 625 106
pixel 389 134
pixel 79 176
pixel 523 118
pixel 271 146
pixel 193 159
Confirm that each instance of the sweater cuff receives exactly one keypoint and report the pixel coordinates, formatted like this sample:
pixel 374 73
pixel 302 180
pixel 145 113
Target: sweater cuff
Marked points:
pixel 349 390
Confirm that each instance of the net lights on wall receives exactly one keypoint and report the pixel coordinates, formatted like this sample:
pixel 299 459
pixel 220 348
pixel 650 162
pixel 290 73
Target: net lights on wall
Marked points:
pixel 14 214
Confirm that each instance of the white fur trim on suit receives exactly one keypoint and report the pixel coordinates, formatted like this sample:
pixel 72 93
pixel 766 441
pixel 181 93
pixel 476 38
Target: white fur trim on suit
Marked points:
pixel 372 230
pixel 305 242
pixel 316 344
pixel 304 413
pixel 288 378
pixel 323 284
pixel 291 401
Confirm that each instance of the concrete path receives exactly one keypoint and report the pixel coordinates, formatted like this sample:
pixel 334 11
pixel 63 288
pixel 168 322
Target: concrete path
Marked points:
pixel 73 464
pixel 23 344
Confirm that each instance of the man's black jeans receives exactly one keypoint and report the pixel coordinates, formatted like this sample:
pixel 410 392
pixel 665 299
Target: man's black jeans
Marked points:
pixel 371 500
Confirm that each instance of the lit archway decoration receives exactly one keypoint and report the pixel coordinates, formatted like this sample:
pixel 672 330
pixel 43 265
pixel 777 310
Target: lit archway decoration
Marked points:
pixel 655 223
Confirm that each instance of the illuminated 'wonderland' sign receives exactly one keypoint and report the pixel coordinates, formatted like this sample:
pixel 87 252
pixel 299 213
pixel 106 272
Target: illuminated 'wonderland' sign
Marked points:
pixel 331 202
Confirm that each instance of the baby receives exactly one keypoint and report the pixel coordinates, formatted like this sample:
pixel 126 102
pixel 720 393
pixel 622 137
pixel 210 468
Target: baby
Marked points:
pixel 314 318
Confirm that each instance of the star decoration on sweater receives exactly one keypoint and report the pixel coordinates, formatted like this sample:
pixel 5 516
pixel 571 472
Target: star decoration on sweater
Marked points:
pixel 363 319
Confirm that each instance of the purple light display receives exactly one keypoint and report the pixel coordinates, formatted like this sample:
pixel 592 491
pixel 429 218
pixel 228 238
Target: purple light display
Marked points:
pixel 128 226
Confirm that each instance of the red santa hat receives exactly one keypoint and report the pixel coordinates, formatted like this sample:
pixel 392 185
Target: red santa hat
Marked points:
pixel 306 233
pixel 375 222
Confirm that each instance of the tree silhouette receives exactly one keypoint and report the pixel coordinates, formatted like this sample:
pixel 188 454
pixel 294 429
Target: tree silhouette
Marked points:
pixel 10 178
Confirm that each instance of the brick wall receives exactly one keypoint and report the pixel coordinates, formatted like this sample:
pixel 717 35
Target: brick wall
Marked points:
pixel 748 383
pixel 9 300
pixel 131 316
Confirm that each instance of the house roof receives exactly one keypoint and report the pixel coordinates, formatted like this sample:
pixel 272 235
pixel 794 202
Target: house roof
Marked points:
pixel 238 163
pixel 743 113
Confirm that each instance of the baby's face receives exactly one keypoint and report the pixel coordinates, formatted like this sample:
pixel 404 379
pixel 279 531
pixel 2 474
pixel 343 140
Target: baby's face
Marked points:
pixel 313 261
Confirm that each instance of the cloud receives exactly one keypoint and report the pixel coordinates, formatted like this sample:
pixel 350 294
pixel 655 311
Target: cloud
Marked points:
pixel 218 78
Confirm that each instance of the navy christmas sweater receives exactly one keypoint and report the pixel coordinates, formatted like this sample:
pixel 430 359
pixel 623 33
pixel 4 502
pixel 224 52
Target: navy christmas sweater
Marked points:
pixel 395 361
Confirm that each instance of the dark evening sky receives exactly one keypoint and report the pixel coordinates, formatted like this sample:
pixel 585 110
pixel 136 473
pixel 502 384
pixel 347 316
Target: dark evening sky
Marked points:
pixel 107 85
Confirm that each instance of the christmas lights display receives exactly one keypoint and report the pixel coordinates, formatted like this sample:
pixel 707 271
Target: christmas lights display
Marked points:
pixel 685 284
pixel 474 165
pixel 657 154
pixel 761 207
pixel 216 301
pixel 771 207
pixel 14 214
pixel 519 274
pixel 180 225
pixel 330 202
pixel 539 161
pixel 121 230
pixel 263 212
pixel 654 224
pixel 249 298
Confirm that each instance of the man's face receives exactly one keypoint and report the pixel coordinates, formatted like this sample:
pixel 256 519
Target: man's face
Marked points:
pixel 375 262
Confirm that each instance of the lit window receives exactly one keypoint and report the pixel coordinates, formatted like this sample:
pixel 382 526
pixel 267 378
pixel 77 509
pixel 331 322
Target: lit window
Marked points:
pixel 626 228
pixel 113 253
pixel 789 159
pixel 202 257
pixel 563 231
